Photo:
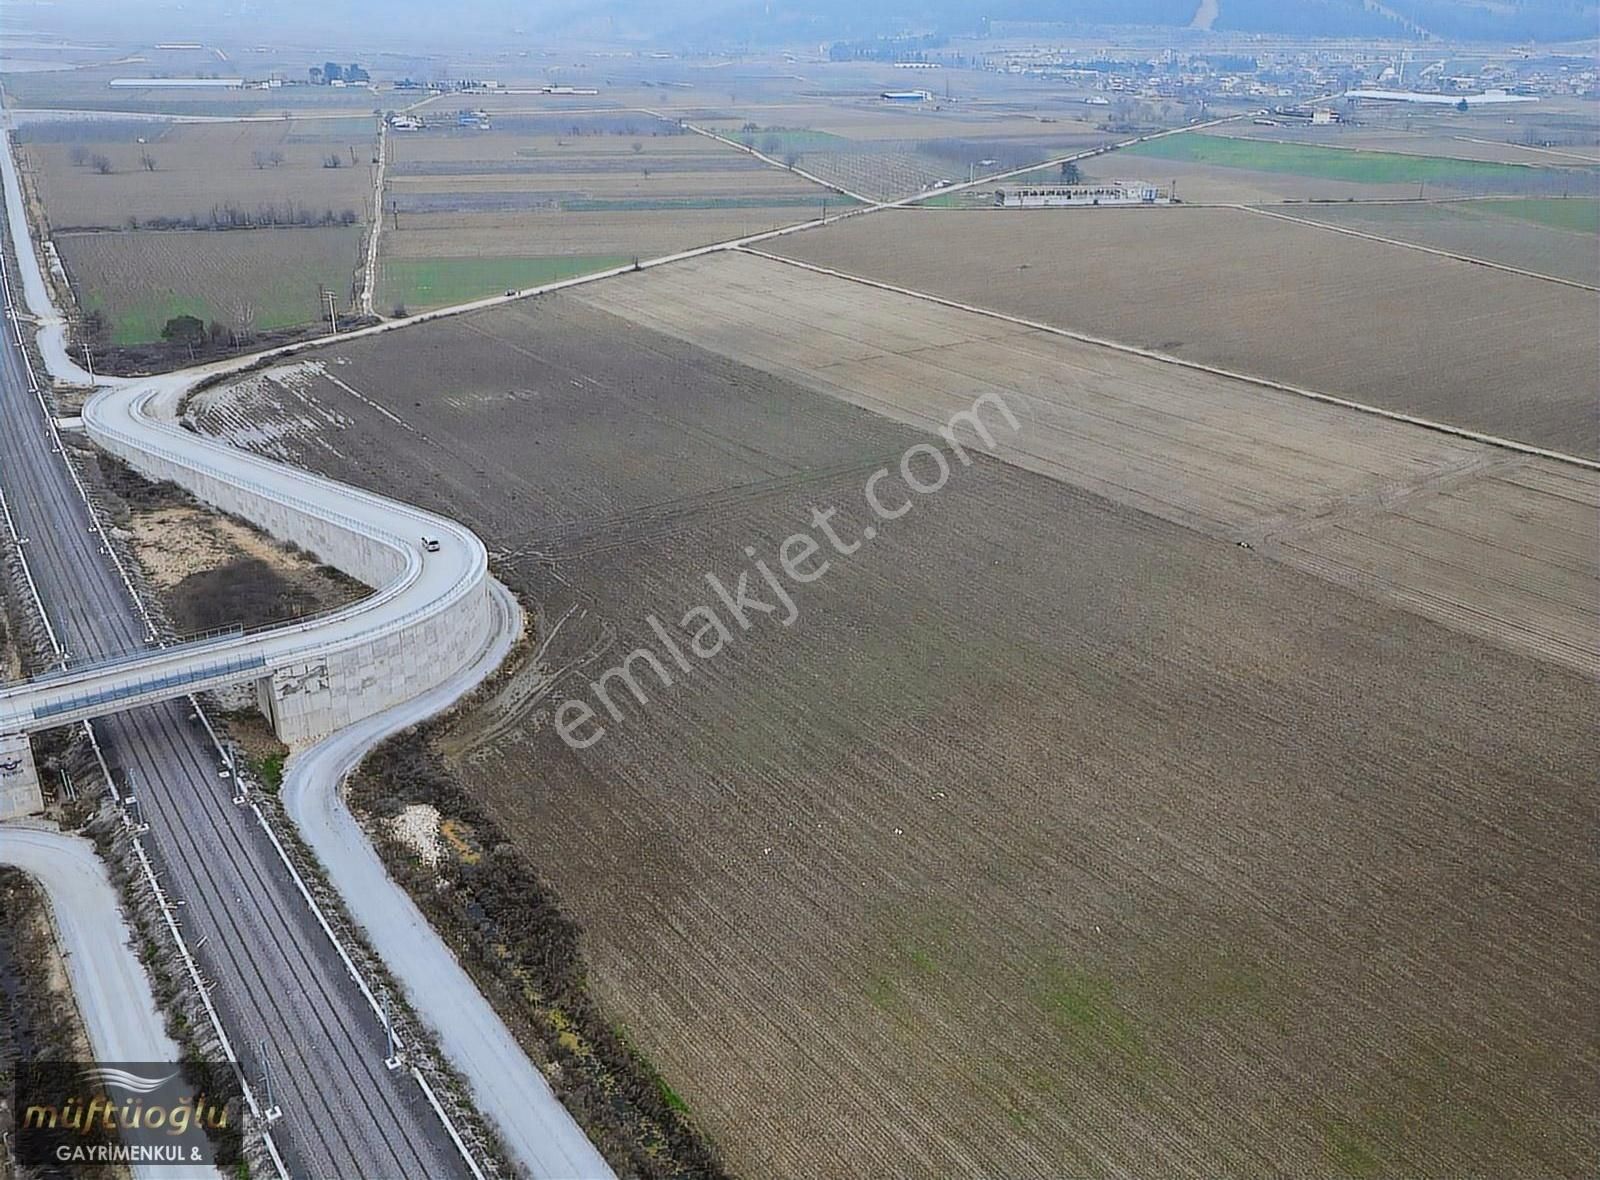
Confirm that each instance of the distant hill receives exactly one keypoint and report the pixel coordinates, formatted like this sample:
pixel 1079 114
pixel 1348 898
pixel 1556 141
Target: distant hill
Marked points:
pixel 729 23
pixel 1493 20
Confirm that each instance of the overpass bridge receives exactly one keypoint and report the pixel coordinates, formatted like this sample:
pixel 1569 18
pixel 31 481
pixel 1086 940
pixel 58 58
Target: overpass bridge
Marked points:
pixel 429 614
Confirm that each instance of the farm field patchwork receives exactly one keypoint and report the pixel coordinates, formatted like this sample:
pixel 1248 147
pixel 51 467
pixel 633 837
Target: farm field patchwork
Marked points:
pixel 1206 184
pixel 1554 131
pixel 1365 167
pixel 1549 236
pixel 885 154
pixel 1298 305
pixel 89 89
pixel 139 280
pixel 1050 839
pixel 558 192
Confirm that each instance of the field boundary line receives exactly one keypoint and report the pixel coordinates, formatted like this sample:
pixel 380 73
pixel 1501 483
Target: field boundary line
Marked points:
pixel 1198 366
pixel 1056 162
pixel 766 159
pixel 369 277
pixel 1356 233
pixel 1527 147
pixel 245 360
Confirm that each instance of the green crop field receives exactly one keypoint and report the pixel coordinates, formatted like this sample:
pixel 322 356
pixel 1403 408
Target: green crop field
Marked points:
pixel 1579 214
pixel 140 279
pixel 419 283
pixel 1344 164
pixel 777 140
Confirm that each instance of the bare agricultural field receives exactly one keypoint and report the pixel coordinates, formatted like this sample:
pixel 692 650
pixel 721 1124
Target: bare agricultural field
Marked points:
pixel 1447 340
pixel 263 278
pixel 1549 236
pixel 1205 184
pixel 1050 838
pixel 201 167
pixel 1462 143
pixel 1288 477
pixel 559 194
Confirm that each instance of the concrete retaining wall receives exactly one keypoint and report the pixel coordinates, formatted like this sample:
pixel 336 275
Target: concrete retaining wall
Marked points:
pixel 369 560
pixel 19 778
pixel 307 701
pixel 328 687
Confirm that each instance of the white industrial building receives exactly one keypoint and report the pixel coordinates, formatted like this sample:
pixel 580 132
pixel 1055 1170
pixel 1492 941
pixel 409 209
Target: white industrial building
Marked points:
pixel 1052 196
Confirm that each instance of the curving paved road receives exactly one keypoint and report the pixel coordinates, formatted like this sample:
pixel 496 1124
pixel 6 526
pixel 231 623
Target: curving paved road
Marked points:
pixel 278 982
pixel 506 1088
pixel 108 981
pixel 119 1010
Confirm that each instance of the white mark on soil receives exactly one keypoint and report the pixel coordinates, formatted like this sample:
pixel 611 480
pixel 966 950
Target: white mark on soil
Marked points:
pixel 417 827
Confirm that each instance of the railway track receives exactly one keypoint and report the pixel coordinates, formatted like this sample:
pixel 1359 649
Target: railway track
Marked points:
pixel 283 994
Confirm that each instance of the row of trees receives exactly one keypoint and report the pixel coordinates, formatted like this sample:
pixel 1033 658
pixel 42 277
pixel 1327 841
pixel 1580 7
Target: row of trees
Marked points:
pixel 263 216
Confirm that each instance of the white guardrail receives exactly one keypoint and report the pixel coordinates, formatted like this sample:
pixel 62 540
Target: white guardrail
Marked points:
pixel 428 584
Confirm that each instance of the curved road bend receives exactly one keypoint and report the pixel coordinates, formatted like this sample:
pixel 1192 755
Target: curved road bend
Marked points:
pixel 277 977
pixel 108 981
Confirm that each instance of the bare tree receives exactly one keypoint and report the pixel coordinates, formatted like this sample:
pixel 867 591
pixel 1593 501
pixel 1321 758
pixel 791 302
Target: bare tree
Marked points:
pixel 244 320
pixel 149 161
pixel 275 157
pixel 258 158
pixel 637 147
pixel 100 164
pixel 79 155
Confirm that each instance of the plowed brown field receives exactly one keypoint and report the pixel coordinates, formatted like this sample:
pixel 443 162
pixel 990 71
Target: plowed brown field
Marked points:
pixel 1432 336
pixel 1053 838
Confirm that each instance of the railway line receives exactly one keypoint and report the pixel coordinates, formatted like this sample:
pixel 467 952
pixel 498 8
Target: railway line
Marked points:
pixel 289 1005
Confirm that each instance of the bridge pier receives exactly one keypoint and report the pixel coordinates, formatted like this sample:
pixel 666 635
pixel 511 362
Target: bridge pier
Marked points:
pixel 19 778
pixel 298 702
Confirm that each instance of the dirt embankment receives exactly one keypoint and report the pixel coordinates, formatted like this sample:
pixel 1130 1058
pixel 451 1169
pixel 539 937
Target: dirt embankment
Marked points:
pixel 508 928
pixel 211 570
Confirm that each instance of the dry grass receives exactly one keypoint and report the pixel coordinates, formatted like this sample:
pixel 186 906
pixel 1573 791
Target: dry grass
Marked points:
pixel 1380 324
pixel 225 573
pixel 1053 839
pixel 200 166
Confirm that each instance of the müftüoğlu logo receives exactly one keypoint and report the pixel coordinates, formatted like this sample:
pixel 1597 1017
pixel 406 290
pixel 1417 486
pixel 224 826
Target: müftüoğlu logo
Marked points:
pixel 128 1112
